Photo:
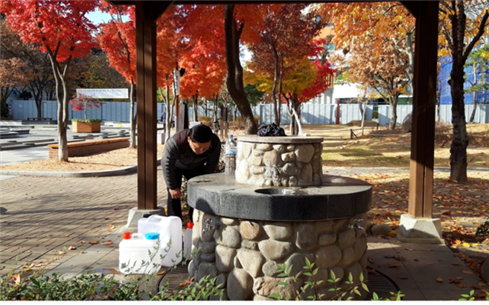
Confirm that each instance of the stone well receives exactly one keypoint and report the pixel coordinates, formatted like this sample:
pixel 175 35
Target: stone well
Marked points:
pixel 243 230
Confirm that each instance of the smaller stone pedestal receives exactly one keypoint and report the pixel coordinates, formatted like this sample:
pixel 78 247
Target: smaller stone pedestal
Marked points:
pixel 420 230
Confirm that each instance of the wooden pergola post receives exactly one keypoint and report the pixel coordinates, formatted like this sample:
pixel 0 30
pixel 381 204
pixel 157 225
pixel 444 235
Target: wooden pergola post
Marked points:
pixel 146 106
pixel 418 224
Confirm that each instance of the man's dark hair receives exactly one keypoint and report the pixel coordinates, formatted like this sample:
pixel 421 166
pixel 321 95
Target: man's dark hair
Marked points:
pixel 201 133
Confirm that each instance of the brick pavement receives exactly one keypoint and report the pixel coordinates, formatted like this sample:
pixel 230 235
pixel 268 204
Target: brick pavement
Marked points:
pixel 41 216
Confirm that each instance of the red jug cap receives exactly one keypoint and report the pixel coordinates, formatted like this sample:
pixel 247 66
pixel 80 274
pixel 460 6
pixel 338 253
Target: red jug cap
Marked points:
pixel 126 235
pixel 190 225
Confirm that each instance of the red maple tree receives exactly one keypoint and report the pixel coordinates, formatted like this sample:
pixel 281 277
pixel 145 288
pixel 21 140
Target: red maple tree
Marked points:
pixel 64 32
pixel 118 39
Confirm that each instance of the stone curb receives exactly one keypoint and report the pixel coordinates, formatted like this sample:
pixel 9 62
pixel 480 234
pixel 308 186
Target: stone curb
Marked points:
pixel 107 173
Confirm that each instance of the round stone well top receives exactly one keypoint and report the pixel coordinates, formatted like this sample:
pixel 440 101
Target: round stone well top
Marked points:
pixel 291 161
pixel 337 197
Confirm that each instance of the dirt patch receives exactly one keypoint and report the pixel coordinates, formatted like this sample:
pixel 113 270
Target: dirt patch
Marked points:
pixel 111 160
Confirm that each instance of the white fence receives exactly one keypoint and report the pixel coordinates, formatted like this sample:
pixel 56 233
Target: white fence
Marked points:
pixel 311 113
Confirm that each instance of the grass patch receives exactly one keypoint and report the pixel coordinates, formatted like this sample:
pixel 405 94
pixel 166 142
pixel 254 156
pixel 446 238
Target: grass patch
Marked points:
pixel 391 148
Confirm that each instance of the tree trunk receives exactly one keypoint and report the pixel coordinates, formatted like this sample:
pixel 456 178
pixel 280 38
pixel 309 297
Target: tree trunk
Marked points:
pixel 168 112
pixel 196 108
pixel 37 100
pixel 61 98
pixel 472 115
pixel 276 101
pixel 214 107
pixel 393 103
pixel 38 106
pixel 438 101
pixel 132 118
pixel 363 110
pixel 460 141
pixel 280 82
pixel 234 80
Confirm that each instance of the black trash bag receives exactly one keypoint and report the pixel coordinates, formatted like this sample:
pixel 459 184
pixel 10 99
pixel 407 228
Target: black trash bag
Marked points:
pixel 271 130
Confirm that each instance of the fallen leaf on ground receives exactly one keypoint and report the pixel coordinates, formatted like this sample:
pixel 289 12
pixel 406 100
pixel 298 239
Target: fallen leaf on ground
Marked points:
pixel 461 285
pixel 439 280
pixel 93 242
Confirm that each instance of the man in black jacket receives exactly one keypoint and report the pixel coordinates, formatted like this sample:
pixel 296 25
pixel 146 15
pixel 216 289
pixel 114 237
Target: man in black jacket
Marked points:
pixel 190 153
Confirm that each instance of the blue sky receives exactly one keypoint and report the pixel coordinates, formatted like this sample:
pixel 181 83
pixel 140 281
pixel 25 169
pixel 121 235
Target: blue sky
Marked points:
pixel 98 17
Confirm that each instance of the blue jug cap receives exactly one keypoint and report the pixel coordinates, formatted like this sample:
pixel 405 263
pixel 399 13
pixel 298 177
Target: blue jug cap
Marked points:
pixel 152 235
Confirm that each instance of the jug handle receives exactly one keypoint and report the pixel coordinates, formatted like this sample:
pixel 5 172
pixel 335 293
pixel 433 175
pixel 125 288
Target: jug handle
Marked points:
pixel 154 218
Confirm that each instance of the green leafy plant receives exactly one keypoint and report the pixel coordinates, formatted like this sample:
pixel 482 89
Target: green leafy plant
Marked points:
pixel 483 229
pixel 467 297
pixel 54 287
pixel 86 120
pixel 396 296
pixel 352 289
pixel 191 291
pixel 310 287
pixel 471 296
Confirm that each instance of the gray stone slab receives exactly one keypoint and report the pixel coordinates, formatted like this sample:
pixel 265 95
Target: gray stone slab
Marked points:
pixel 337 197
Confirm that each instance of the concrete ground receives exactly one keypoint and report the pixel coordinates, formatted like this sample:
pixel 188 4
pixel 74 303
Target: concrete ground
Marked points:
pixel 77 224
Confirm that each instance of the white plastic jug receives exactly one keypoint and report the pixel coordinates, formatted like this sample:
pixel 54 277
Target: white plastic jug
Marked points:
pixel 170 229
pixel 139 253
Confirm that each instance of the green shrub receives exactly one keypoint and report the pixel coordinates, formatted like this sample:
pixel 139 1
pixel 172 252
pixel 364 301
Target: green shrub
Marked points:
pixel 375 114
pixel 86 287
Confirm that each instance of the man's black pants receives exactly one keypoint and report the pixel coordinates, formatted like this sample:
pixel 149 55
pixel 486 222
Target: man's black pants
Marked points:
pixel 174 206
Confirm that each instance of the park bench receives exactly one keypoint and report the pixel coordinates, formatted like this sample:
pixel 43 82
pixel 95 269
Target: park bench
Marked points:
pixel 91 147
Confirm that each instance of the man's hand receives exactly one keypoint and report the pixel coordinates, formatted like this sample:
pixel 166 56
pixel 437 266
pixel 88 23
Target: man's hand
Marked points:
pixel 175 194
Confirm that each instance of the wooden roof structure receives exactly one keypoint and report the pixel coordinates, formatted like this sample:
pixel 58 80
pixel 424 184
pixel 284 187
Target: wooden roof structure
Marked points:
pixel 424 97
